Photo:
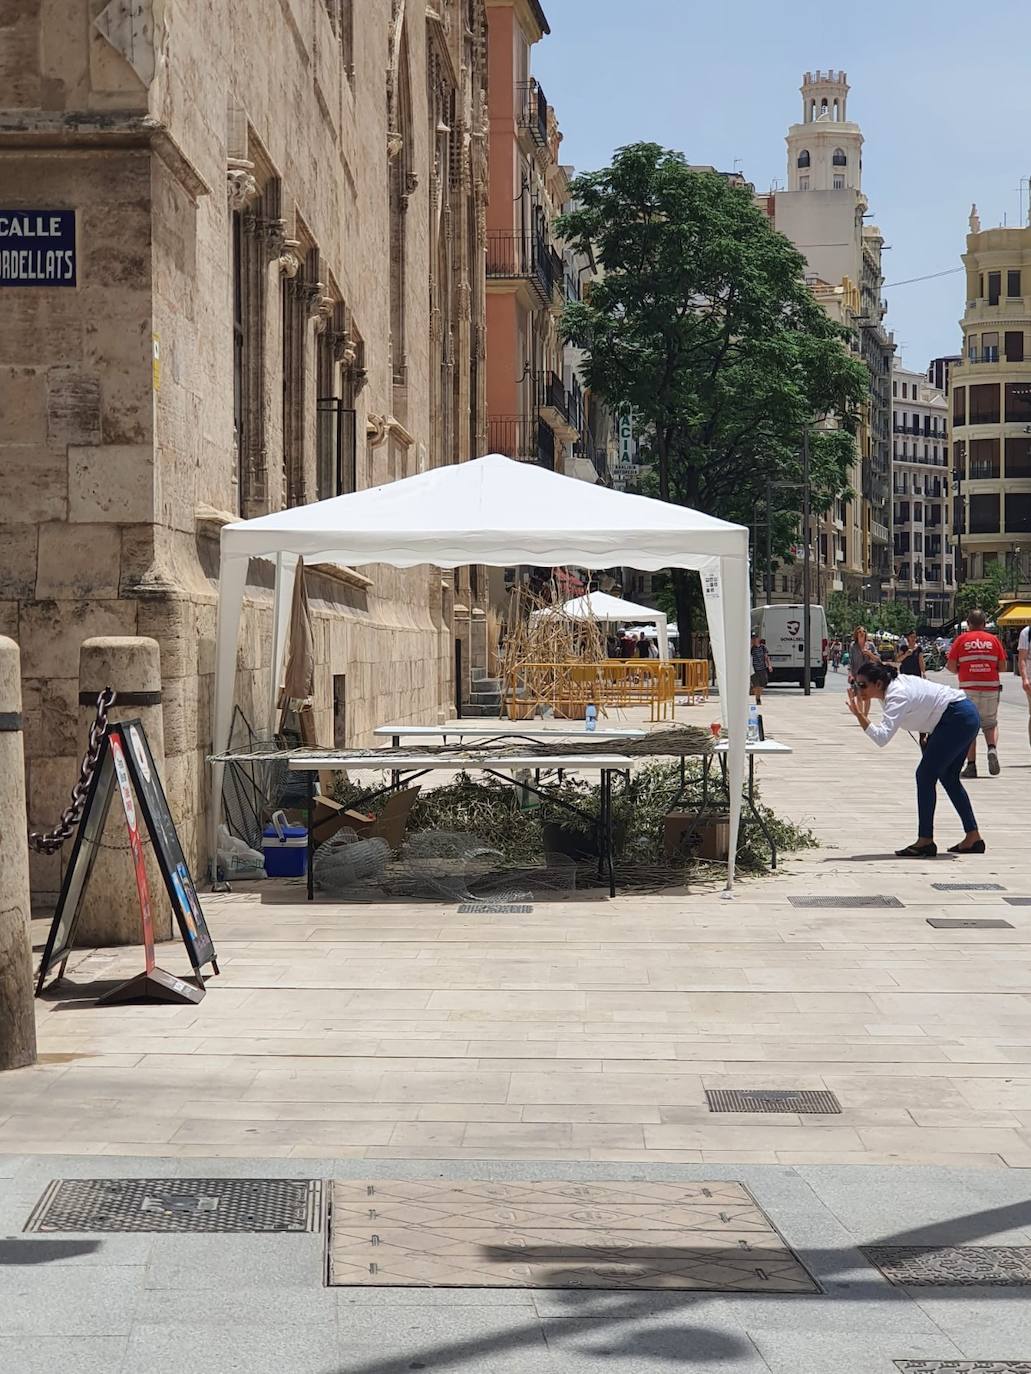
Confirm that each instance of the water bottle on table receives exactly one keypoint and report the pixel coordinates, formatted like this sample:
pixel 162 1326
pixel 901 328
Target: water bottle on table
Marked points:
pixel 752 734
pixel 591 719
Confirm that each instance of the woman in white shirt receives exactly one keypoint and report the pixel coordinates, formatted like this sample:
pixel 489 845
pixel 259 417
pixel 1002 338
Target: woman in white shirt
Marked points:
pixel 950 723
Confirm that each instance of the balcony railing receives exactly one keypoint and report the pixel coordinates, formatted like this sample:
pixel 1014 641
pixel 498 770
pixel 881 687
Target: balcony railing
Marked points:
pixel 533 111
pixel 528 440
pixel 551 396
pixel 520 257
pixel 981 471
pixel 984 355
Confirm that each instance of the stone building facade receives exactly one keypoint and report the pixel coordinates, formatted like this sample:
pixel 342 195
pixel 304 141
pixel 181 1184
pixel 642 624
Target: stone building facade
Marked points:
pixel 277 231
pixel 921 518
pixel 822 211
pixel 990 395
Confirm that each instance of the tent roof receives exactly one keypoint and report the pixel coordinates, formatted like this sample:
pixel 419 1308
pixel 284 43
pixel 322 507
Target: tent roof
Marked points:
pixel 602 606
pixel 494 511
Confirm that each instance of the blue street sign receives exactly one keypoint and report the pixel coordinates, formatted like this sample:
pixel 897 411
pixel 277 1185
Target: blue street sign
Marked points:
pixel 37 247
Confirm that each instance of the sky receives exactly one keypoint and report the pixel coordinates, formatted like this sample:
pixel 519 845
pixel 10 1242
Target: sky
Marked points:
pixel 941 90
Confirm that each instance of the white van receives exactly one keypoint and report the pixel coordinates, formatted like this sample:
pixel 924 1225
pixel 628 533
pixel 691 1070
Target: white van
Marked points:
pixel 781 627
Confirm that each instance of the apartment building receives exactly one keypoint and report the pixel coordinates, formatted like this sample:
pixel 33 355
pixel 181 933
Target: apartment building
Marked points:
pixel 921 521
pixel 991 406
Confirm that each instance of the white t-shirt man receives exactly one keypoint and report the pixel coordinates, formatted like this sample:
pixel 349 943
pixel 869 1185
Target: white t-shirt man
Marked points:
pixel 1024 667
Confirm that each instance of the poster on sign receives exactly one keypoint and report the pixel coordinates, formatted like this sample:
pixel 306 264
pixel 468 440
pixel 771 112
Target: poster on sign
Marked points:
pixel 127 766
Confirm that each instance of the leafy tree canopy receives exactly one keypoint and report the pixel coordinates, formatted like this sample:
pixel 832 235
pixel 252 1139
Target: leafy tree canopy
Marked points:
pixel 985 594
pixel 702 322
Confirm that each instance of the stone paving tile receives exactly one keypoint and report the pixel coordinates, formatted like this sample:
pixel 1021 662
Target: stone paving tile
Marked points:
pixel 44 1354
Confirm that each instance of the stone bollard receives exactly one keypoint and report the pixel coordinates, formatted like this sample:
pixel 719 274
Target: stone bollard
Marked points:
pixel 17 1014
pixel 110 904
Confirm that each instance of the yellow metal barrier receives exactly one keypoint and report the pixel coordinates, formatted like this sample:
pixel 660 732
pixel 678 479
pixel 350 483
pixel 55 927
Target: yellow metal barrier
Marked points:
pixel 692 679
pixel 569 688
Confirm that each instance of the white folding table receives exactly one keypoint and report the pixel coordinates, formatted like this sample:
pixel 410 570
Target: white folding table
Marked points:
pixel 502 729
pixel 405 768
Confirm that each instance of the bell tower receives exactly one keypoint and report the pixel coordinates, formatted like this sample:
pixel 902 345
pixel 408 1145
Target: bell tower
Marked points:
pixel 825 150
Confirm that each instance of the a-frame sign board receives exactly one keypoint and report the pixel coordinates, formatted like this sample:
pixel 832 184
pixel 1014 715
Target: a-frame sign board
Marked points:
pixel 126 763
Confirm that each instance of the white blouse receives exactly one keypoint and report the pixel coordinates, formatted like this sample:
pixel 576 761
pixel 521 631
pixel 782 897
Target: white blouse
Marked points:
pixel 912 703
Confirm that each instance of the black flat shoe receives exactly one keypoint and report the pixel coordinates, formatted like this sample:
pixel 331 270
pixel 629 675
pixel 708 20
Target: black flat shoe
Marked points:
pixel 917 851
pixel 978 847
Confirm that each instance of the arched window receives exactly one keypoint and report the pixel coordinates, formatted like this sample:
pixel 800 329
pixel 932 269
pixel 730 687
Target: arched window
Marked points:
pixel 839 159
pixel 803 158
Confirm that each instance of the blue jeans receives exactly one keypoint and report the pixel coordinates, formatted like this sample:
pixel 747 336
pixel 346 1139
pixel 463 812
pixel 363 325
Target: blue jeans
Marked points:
pixel 946 748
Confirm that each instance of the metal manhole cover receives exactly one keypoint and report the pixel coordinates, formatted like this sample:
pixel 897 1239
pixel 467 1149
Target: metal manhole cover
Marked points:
pixel 494 909
pixel 179 1204
pixel 444 1234
pixel 830 903
pixel 1017 901
pixel 968 887
pixel 959 1266
pixel 809 1101
pixel 967 923
pixel 963 1366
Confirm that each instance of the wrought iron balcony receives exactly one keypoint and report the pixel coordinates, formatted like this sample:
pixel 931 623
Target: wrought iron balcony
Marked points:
pixel 528 440
pixel 532 114
pixel 520 257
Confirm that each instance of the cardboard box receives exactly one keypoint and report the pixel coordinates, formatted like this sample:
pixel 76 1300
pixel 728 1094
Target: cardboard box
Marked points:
pixel 708 839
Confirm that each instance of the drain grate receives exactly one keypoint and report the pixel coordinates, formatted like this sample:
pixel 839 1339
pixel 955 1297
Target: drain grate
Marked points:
pixel 549 1234
pixel 179 1204
pixel 967 923
pixel 966 1266
pixel 968 887
pixel 494 909
pixel 831 903
pixel 808 1101
pixel 963 1366
pixel 1017 901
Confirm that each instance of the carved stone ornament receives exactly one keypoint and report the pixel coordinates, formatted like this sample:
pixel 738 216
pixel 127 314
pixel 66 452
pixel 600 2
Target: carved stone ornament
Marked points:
pixel 241 186
pixel 289 258
pixel 975 220
pixel 411 182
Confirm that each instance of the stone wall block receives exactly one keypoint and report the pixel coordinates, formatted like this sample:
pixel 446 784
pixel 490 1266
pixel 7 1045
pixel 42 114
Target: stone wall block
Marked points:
pixel 51 632
pixel 77 561
pixel 73 406
pixel 179 701
pixel 17 559
pixel 174 625
pixel 111 482
pixel 110 904
pixel 23 405
pixel 37 479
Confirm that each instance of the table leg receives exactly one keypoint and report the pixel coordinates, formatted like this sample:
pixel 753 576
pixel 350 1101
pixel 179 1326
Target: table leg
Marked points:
pixel 608 833
pixel 310 775
pixel 395 776
pixel 750 797
pixel 602 824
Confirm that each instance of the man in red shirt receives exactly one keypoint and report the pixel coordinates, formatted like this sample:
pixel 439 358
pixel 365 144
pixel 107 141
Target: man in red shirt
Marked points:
pixel 977 656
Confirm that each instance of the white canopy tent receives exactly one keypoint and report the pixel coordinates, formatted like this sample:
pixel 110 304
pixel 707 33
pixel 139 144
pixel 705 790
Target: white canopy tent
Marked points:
pixel 501 513
pixel 612 610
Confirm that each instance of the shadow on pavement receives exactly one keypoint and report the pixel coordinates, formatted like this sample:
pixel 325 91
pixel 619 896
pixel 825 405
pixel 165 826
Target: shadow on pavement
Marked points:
pixel 592 1312
pixel 25 1251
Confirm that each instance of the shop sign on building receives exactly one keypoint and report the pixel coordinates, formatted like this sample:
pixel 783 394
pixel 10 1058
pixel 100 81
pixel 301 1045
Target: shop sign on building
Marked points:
pixel 37 248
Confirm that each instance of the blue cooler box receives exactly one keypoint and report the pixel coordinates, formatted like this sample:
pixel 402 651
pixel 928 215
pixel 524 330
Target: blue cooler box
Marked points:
pixel 285 850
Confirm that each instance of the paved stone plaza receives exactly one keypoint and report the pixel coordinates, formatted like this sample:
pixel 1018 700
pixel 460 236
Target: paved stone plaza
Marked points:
pixel 572 1043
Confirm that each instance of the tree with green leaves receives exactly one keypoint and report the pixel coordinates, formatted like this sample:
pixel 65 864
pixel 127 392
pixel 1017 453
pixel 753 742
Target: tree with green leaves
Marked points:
pixel 986 593
pixel 701 321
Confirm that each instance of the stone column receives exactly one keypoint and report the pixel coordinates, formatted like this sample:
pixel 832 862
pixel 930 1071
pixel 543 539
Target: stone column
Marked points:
pixel 110 904
pixel 17 1015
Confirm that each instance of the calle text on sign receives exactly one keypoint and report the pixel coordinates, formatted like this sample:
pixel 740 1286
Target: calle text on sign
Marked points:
pixel 37 248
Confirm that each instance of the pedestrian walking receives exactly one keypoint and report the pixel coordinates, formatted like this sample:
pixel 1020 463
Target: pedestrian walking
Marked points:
pixel 760 668
pixel 860 651
pixel 911 657
pixel 976 656
pixel 1024 668
pixel 948 719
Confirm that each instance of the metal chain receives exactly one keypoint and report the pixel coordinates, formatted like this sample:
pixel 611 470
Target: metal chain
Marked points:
pixel 50 841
